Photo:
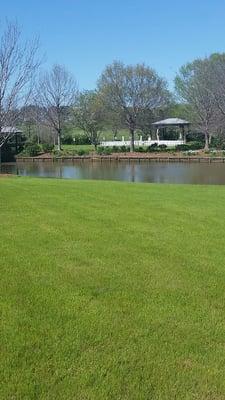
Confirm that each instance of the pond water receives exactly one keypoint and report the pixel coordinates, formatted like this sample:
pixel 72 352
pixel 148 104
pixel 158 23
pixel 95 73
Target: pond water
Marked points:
pixel 133 171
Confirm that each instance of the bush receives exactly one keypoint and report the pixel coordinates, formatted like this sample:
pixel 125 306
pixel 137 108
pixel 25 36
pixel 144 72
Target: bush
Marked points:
pixel 47 148
pixel 182 147
pixel 124 149
pixel 67 139
pixel 189 146
pixel 104 150
pixel 162 147
pixel 32 150
pixel 81 139
pixel 115 149
pixel 195 145
pixel 141 149
pixel 81 152
pixel 152 148
pixel 100 150
pixel 107 151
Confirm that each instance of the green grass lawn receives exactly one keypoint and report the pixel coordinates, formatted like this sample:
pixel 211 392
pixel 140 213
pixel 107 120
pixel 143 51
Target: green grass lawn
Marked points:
pixel 111 290
pixel 106 134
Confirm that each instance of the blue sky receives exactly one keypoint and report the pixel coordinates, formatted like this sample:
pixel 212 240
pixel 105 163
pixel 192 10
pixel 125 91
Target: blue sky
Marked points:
pixel 86 35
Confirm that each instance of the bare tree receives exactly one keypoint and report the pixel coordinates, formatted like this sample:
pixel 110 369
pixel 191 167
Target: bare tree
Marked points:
pixel 217 89
pixel 195 84
pixel 57 90
pixel 131 89
pixel 19 62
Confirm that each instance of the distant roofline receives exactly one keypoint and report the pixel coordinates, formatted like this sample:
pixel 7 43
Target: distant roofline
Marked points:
pixel 171 122
pixel 10 129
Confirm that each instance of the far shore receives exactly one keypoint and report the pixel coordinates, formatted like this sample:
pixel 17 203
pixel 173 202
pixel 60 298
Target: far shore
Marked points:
pixel 156 156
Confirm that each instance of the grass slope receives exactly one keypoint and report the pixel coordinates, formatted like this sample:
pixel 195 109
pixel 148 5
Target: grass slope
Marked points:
pixel 111 290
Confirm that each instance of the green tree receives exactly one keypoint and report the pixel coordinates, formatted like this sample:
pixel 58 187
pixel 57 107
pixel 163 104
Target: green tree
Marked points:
pixel 128 90
pixel 89 115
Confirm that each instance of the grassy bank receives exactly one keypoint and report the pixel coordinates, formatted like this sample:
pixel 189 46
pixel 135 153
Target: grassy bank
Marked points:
pixel 111 290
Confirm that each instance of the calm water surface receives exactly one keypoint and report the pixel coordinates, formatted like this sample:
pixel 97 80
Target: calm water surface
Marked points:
pixel 145 171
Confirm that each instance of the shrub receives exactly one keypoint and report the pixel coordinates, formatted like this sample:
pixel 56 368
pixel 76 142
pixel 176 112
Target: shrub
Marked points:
pixel 100 150
pixel 67 139
pixel 195 145
pixel 81 152
pixel 182 147
pixel 162 147
pixel 189 146
pixel 82 139
pixel 108 151
pixel 115 149
pixel 140 149
pixel 104 150
pixel 32 150
pixel 47 147
pixel 152 148
pixel 124 149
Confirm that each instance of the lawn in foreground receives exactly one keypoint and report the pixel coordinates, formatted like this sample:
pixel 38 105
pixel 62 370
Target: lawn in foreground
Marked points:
pixel 111 290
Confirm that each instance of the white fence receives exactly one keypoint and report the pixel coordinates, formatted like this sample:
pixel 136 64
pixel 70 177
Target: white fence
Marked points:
pixel 168 143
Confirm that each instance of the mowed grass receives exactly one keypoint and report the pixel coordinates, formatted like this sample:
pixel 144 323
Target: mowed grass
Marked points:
pixel 106 134
pixel 111 290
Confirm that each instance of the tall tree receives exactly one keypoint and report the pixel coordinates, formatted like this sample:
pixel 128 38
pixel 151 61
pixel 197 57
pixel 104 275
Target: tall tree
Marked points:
pixel 56 92
pixel 217 89
pixel 195 84
pixel 19 61
pixel 89 115
pixel 131 89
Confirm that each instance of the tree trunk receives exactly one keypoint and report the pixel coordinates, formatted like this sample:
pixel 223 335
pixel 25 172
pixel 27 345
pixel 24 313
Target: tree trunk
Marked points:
pixel 131 140
pixel 206 148
pixel 59 141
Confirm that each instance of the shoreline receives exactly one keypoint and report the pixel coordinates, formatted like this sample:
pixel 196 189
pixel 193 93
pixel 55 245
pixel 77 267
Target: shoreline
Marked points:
pixel 163 157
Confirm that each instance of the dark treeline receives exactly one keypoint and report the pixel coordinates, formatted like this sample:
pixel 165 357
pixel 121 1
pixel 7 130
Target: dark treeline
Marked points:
pixel 48 106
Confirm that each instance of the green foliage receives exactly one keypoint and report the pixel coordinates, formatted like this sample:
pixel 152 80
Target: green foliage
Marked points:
pixel 31 149
pixel 162 147
pixel 141 149
pixel 67 139
pixel 124 149
pixel 89 115
pixel 47 147
pixel 104 150
pixel 81 139
pixel 81 152
pixel 189 146
pixel 152 148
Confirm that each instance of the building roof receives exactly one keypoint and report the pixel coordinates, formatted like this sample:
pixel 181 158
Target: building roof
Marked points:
pixel 171 121
pixel 10 129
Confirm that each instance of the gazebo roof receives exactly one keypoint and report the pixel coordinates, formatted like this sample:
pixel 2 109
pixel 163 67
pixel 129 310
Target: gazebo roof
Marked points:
pixel 10 129
pixel 171 122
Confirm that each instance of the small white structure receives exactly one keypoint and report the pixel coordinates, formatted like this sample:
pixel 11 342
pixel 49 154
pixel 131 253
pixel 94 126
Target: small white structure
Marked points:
pixel 176 122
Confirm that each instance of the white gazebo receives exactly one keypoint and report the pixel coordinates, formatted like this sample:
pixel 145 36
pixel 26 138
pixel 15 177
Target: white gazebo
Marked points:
pixel 169 122
pixel 175 122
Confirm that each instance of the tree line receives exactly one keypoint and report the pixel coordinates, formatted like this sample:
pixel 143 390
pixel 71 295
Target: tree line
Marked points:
pixel 131 96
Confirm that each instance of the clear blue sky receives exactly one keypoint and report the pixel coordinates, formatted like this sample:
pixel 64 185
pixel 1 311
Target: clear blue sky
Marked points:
pixel 85 35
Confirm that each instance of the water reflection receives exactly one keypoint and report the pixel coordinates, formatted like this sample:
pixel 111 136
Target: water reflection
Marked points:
pixel 134 171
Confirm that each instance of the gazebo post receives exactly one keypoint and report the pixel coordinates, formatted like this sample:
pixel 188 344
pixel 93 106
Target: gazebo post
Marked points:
pixel 184 133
